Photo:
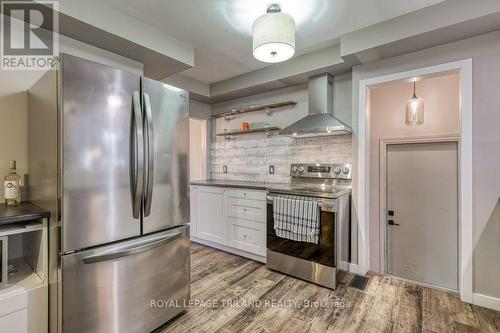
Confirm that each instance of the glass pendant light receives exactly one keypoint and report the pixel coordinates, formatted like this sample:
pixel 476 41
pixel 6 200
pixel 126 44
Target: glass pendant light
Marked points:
pixel 414 110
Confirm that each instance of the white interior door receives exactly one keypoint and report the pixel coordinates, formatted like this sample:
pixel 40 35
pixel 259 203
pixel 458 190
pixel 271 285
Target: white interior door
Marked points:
pixel 197 149
pixel 422 212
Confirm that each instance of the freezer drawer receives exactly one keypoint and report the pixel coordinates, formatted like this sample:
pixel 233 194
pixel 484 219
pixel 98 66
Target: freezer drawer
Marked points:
pixel 112 288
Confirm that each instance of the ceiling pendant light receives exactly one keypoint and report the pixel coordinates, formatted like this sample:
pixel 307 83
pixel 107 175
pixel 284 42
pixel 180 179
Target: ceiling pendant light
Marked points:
pixel 414 110
pixel 274 36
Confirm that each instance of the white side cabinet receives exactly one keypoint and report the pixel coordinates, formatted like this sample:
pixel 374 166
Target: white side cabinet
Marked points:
pixel 230 219
pixel 24 290
pixel 210 217
pixel 193 195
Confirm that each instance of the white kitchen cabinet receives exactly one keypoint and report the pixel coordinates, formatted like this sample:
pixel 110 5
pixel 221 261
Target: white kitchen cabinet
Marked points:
pixel 246 194
pixel 248 209
pixel 193 195
pixel 230 219
pixel 247 235
pixel 24 294
pixel 210 214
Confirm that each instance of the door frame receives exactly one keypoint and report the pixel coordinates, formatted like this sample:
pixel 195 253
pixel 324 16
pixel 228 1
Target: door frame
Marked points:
pixel 205 147
pixel 464 68
pixel 384 143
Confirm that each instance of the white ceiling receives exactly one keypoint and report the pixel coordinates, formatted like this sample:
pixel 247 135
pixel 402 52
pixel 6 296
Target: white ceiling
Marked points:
pixel 220 30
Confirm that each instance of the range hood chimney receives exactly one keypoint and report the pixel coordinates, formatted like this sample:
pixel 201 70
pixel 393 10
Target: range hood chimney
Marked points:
pixel 320 121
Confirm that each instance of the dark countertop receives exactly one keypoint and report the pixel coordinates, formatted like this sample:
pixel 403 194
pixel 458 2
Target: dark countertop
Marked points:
pixel 285 188
pixel 26 211
pixel 233 183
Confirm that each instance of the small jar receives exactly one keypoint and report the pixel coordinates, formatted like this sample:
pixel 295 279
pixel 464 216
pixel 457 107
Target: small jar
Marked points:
pixel 244 126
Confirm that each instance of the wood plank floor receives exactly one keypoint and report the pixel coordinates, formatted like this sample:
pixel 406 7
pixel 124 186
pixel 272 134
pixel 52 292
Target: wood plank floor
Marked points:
pixel 386 305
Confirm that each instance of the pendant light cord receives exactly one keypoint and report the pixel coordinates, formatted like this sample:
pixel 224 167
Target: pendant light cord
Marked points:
pixel 414 95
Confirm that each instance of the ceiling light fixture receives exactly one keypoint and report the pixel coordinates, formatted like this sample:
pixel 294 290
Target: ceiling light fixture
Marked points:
pixel 414 110
pixel 273 36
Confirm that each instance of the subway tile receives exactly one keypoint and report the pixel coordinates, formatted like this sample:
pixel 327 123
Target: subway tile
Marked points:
pixel 247 144
pixel 250 159
pixel 280 141
pixel 273 160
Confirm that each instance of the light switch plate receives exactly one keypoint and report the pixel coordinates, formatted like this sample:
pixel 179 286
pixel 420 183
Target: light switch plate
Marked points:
pixel 224 169
pixel 271 169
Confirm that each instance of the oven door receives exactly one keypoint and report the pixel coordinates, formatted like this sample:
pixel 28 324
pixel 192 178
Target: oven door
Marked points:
pixel 323 253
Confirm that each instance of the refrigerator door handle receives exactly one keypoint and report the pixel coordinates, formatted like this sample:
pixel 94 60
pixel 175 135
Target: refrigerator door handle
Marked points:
pixel 131 250
pixel 136 156
pixel 149 155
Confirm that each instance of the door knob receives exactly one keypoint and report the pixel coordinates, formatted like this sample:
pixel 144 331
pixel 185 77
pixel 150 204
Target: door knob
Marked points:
pixel 391 222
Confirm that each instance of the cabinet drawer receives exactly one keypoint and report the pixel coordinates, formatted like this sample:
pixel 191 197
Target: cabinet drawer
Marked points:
pixel 253 210
pixel 15 321
pixel 246 194
pixel 25 312
pixel 247 235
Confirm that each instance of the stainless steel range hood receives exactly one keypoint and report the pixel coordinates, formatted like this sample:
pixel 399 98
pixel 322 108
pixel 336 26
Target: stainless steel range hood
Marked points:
pixel 320 121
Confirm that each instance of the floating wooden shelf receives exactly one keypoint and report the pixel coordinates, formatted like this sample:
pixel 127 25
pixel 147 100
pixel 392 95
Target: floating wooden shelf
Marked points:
pixel 268 107
pixel 252 130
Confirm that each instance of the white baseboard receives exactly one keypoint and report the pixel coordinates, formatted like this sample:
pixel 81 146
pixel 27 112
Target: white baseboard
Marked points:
pixel 229 249
pixel 353 268
pixel 486 301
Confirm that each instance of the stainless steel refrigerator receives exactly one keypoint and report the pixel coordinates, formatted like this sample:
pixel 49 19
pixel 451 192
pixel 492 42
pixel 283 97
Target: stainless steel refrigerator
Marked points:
pixel 108 156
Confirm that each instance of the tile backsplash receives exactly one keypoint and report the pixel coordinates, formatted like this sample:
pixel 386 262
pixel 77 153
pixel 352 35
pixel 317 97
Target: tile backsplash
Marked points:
pixel 249 160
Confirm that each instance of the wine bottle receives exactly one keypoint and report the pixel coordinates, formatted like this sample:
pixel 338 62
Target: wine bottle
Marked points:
pixel 12 182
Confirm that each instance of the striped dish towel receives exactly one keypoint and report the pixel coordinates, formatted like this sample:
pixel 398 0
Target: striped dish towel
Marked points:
pixel 296 218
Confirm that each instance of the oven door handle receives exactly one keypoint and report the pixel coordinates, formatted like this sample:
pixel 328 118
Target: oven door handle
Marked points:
pixel 324 205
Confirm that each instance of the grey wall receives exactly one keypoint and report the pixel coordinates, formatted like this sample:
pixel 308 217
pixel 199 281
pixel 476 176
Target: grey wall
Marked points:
pixel 485 53
pixel 342 105
pixel 249 156
pixel 199 110
pixel 280 118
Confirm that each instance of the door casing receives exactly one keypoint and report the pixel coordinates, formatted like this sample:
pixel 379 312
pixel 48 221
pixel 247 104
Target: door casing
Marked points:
pixel 361 196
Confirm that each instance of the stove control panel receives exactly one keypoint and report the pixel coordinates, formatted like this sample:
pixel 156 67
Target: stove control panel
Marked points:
pixel 335 171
